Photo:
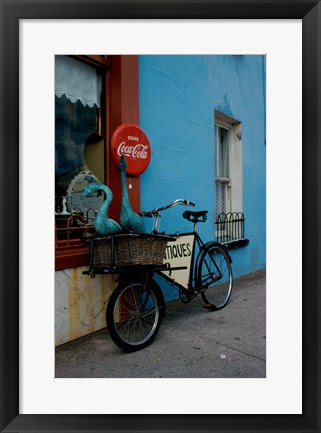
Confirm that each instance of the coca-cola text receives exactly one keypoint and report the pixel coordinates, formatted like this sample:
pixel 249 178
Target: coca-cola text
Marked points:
pixel 139 151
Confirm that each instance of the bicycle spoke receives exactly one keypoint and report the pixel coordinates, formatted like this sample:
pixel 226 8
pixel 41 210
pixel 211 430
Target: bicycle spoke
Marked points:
pixel 137 318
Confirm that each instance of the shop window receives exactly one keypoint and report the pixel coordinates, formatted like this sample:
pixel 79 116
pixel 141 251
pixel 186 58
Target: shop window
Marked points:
pixel 79 143
pixel 94 94
pixel 79 147
pixel 229 217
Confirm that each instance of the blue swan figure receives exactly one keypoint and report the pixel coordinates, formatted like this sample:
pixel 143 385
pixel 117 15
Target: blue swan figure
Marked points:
pixel 129 220
pixel 103 224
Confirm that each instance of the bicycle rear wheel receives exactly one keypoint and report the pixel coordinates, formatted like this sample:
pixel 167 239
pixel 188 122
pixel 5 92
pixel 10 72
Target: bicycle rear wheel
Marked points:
pixel 214 275
pixel 133 314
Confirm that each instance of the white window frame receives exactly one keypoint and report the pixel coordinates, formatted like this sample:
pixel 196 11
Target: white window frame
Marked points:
pixel 234 180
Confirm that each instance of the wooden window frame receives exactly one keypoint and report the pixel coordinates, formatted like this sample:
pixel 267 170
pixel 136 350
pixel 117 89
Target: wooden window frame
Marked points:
pixel 122 106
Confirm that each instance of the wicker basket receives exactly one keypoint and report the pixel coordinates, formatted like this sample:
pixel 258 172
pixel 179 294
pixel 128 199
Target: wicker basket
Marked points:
pixel 128 249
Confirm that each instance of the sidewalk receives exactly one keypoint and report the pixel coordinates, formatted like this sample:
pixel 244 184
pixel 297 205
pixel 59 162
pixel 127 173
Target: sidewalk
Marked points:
pixel 192 342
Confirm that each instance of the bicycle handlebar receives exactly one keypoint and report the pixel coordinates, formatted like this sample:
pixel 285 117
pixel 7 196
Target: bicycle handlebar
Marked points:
pixel 155 212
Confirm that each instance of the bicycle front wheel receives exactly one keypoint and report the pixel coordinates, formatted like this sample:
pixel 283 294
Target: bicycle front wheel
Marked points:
pixel 133 314
pixel 215 276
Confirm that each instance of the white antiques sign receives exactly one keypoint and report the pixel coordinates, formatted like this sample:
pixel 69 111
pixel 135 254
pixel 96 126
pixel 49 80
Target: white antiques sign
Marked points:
pixel 179 253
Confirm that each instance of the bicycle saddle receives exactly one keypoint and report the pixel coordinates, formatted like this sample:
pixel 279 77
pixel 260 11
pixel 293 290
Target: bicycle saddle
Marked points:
pixel 195 217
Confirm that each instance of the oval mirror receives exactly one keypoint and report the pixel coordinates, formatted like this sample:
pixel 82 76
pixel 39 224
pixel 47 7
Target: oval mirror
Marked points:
pixel 89 206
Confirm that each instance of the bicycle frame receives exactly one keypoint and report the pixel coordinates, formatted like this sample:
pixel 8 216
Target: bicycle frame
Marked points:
pixel 180 256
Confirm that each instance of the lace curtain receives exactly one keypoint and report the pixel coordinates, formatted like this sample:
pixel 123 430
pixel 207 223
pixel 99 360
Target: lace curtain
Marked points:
pixel 77 81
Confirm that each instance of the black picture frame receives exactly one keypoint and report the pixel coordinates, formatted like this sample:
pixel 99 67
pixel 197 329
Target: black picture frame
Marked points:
pixel 11 12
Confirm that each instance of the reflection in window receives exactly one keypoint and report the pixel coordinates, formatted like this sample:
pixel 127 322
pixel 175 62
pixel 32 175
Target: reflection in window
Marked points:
pixel 74 124
pixel 79 145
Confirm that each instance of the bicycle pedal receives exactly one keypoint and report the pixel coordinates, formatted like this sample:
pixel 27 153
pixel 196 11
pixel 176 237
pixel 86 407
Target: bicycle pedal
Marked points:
pixel 209 307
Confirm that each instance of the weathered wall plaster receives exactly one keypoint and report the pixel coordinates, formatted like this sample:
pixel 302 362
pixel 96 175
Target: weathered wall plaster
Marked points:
pixel 80 303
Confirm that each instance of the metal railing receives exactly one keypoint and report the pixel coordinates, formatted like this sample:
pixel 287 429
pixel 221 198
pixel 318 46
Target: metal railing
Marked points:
pixel 229 227
pixel 71 228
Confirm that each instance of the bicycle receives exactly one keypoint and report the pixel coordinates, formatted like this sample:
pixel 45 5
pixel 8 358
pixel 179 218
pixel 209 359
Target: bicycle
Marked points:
pixel 197 269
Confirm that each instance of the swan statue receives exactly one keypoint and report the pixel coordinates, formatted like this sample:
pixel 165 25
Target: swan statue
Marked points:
pixel 103 224
pixel 129 220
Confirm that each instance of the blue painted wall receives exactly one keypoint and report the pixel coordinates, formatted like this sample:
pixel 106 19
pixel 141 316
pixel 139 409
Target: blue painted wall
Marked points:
pixel 178 96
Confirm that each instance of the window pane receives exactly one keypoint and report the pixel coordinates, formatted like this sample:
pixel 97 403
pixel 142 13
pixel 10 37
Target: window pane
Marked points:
pixel 222 168
pixel 220 197
pixel 222 152
pixel 79 145
pixel 74 124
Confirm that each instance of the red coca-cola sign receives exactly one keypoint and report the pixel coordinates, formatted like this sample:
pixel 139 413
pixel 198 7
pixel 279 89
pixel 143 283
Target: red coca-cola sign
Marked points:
pixel 131 141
